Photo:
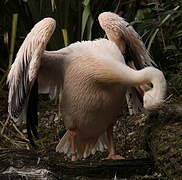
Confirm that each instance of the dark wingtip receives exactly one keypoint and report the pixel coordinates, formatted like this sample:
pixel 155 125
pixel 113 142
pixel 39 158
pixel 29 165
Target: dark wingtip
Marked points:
pixel 32 116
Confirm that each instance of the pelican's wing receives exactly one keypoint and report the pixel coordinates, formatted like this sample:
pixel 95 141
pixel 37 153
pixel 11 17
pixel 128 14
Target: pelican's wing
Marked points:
pixel 23 73
pixel 51 72
pixel 118 30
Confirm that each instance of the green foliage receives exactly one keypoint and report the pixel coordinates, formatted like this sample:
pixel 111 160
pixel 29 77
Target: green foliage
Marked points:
pixel 159 24
pixel 87 20
pixel 161 27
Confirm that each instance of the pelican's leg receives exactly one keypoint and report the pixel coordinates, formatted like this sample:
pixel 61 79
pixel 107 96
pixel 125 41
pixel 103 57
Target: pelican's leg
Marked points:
pixel 73 153
pixel 112 152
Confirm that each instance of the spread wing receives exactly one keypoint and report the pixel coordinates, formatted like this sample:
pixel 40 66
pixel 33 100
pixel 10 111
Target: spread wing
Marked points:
pixel 51 72
pixel 24 70
pixel 123 34
pixel 22 76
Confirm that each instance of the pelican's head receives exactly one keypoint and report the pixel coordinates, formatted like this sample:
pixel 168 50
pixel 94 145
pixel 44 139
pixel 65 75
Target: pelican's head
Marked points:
pixel 154 97
pixel 151 101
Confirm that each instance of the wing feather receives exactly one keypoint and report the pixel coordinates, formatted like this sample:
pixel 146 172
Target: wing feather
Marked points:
pixel 24 70
pixel 117 29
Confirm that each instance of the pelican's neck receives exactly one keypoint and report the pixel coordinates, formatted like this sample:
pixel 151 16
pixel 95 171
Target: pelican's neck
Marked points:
pixel 152 75
pixel 157 93
pixel 146 75
pixel 155 76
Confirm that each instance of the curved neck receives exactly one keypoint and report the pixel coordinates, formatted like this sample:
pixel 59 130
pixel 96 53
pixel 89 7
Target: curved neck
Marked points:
pixel 154 76
pixel 131 77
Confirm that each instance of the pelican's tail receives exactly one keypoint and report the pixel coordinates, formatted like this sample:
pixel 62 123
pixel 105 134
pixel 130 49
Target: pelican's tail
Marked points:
pixel 82 148
pixel 23 73
pixel 118 30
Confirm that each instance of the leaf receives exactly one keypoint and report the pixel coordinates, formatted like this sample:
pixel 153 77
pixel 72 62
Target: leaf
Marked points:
pixel 86 2
pixel 13 37
pixel 66 13
pixel 89 27
pixel 179 33
pixel 65 36
pixel 142 13
pixel 170 47
pixel 152 39
pixel 53 4
pixel 168 16
pixel 86 17
pixel 157 30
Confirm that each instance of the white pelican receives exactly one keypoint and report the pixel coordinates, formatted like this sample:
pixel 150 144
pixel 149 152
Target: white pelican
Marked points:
pixel 93 78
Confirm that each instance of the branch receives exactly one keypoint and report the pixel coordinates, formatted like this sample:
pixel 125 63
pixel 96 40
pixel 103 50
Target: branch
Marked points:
pixel 32 163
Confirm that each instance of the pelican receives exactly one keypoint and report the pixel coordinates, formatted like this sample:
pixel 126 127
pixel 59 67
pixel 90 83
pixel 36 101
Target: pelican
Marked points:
pixel 93 78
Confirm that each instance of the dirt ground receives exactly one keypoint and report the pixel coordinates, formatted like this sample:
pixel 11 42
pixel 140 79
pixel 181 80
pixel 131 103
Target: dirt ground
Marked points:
pixel 51 129
pixel 129 136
